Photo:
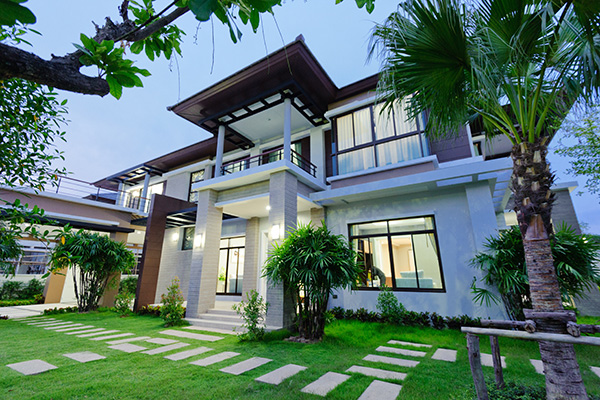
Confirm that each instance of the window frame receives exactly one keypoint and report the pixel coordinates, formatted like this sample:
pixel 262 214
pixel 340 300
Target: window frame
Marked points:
pixel 374 141
pixel 192 181
pixel 183 241
pixel 229 248
pixel 389 236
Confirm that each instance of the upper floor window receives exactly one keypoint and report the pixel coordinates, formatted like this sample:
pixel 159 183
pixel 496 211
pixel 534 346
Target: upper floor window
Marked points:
pixel 400 253
pixel 195 177
pixel 368 138
pixel 188 238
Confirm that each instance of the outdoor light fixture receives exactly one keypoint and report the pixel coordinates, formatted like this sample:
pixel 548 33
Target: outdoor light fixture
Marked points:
pixel 175 236
pixel 199 240
pixel 268 208
pixel 275 232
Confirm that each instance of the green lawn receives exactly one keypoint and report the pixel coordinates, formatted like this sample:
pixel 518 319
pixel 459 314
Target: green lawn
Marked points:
pixel 141 376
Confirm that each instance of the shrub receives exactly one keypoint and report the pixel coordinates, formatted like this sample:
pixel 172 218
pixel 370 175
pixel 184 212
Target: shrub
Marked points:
pixel 128 285
pixel 123 303
pixel 11 303
pixel 390 309
pixel 150 310
pixel 253 313
pixel 35 287
pixel 338 312
pixel 64 310
pixel 172 310
pixel 437 321
pixel 11 290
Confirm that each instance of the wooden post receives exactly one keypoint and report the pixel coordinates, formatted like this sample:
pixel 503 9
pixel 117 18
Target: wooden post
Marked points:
pixel 497 362
pixel 476 370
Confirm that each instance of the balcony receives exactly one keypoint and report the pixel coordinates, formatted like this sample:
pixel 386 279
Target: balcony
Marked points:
pixel 266 158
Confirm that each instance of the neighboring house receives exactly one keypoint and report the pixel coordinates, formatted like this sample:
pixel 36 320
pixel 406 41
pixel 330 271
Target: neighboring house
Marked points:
pixel 290 147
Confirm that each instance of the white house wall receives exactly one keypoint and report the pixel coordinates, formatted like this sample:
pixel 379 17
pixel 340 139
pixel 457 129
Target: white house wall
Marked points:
pixel 456 241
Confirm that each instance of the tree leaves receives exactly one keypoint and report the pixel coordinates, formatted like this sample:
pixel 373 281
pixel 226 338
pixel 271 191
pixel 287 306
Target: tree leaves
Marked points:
pixel 11 12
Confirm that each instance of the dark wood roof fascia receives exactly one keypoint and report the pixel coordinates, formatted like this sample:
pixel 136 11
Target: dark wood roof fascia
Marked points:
pixel 353 89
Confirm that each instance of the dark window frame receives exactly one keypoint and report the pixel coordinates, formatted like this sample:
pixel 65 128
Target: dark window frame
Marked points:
pixel 389 236
pixel 192 181
pixel 188 244
pixel 229 248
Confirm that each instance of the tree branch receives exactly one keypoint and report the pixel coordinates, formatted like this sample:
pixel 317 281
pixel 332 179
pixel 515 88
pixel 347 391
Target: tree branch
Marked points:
pixel 156 25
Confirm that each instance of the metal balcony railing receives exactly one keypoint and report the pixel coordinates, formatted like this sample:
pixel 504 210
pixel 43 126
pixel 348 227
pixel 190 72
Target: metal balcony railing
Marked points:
pixel 266 158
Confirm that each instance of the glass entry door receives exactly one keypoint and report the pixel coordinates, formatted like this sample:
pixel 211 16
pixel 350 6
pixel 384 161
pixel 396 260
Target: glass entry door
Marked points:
pixel 231 266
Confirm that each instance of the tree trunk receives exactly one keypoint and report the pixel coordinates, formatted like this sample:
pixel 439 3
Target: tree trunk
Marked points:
pixel 531 184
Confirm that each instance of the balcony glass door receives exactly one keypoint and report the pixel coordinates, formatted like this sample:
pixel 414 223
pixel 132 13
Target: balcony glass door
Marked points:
pixel 231 266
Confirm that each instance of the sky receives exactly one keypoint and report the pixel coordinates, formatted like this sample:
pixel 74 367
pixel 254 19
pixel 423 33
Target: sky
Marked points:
pixel 105 135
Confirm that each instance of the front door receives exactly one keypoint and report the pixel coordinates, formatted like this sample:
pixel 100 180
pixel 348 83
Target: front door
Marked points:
pixel 231 266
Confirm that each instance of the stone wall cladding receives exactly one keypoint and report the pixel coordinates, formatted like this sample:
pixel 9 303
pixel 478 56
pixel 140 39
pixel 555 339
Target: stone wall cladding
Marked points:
pixel 244 191
pixel 178 186
pixel 251 267
pixel 174 262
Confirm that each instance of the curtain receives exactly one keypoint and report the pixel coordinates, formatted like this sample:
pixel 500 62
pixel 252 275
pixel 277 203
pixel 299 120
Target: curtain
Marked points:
pixel 357 160
pixel 362 126
pixel 344 133
pixel 404 149
pixel 384 123
pixel 402 124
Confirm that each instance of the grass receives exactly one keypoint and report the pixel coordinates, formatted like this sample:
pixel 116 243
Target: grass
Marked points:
pixel 140 376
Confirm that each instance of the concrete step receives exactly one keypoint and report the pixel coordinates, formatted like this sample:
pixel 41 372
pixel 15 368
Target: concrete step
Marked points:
pixel 221 317
pixel 208 323
pixel 217 311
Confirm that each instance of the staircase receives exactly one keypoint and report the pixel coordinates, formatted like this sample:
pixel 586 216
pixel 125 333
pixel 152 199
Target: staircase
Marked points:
pixel 221 319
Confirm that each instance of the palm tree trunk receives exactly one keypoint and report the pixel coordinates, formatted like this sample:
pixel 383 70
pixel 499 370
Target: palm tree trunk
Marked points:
pixel 531 184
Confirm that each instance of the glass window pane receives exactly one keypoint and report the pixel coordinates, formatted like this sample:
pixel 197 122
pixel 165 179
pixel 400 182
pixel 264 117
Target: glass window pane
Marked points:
pixel 357 160
pixel 411 224
pixel 240 273
pixel 362 126
pixel 237 242
pixel 404 262
pixel 371 228
pixel 402 125
pixel 222 271
pixel 197 176
pixel 428 266
pixel 373 256
pixel 224 243
pixel 405 149
pixel 344 132
pixel 232 270
pixel 384 122
pixel 188 238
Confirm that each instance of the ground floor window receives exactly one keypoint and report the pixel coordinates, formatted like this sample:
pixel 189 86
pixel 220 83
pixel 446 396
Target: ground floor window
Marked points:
pixel 402 254
pixel 231 266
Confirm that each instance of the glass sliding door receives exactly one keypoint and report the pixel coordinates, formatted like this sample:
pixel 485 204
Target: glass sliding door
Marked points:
pixel 231 266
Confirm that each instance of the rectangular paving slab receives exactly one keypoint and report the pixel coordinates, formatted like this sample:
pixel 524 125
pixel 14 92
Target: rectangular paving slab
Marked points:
pixel 404 352
pixel 215 359
pixel 538 365
pixel 377 373
pixel 127 347
pixel 111 336
pixel 445 355
pixel 187 354
pixel 401 343
pixel 325 383
pixel 164 349
pixel 596 370
pixel 129 340
pixel 52 323
pixel 84 356
pixel 32 319
pixel 280 374
pixel 77 332
pixel 191 335
pixel 79 328
pixel 63 326
pixel 391 360
pixel 379 390
pixel 244 366
pixel 161 341
pixel 102 332
pixel 488 361
pixel 32 367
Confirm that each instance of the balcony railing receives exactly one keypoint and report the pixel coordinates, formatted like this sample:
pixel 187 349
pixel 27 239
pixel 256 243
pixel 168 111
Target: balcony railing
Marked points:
pixel 77 188
pixel 266 158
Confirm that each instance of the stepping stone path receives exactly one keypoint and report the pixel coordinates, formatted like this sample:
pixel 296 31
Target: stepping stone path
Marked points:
pixel 84 331
pixel 109 336
pixel 84 356
pixel 325 383
pixel 391 360
pixel 379 390
pixel 127 347
pixel 280 374
pixel 244 366
pixel 128 340
pixel 215 359
pixel 63 329
pixel 596 370
pixel 161 341
pixel 164 349
pixel 410 353
pixel 377 373
pixel 187 354
pixel 51 323
pixel 444 355
pixel 488 361
pixel 62 326
pixel 102 332
pixel 401 343
pixel 538 365
pixel 191 335
pixel 32 367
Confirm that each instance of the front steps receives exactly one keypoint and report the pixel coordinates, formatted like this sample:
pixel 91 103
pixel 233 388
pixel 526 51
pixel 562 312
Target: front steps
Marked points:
pixel 217 320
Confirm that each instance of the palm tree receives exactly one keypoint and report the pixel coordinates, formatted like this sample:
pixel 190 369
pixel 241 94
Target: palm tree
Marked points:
pixel 520 66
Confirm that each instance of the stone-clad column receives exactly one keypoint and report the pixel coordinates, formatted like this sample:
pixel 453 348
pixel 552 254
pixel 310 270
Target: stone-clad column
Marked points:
pixel 251 268
pixel 205 257
pixel 283 188
pixel 317 217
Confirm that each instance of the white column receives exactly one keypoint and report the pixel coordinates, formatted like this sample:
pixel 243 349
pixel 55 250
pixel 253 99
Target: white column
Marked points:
pixel 287 129
pixel 144 198
pixel 208 172
pixel 220 145
pixel 317 151
pixel 121 195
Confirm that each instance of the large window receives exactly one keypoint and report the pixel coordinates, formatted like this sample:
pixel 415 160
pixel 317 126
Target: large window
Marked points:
pixel 401 254
pixel 368 138
pixel 188 238
pixel 231 266
pixel 195 177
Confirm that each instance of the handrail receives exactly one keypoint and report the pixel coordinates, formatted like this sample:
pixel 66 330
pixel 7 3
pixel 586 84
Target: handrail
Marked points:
pixel 264 158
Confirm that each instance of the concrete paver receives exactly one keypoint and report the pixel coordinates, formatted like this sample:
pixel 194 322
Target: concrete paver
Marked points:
pixel 244 366
pixel 379 390
pixel 280 374
pixel 98 338
pixel 445 355
pixel 164 349
pixel 63 326
pixel 391 360
pixel 77 332
pixel 488 361
pixel 538 365
pixel 187 353
pixel 79 328
pixel 377 373
pixel 127 347
pixel 404 352
pixel 84 356
pixel 129 340
pixel 203 362
pixel 596 370
pixel 32 367
pixel 325 383
pixel 191 335
pixel 101 332
pixel 161 341
pixel 401 343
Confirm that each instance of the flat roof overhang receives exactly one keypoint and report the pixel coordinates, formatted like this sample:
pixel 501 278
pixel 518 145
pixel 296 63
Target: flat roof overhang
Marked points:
pixel 292 72
pixel 176 219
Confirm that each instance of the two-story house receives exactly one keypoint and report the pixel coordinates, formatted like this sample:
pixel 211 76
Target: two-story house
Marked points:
pixel 290 147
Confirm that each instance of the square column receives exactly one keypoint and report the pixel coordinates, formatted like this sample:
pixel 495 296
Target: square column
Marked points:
pixel 144 200
pixel 252 270
pixel 205 257
pixel 317 217
pixel 287 129
pixel 220 146
pixel 283 189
